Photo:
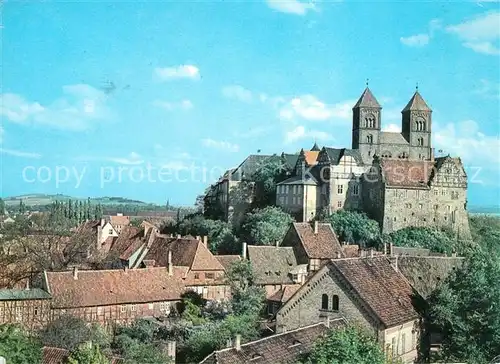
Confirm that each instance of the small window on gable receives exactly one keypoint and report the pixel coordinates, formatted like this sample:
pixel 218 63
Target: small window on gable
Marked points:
pixel 324 301
pixel 335 302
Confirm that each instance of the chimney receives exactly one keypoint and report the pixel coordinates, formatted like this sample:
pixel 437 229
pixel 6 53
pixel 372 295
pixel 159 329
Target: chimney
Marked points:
pixel 237 342
pixel 277 243
pixel 371 252
pixel 27 287
pixel 205 241
pixel 75 272
pixel 391 249
pixel 103 222
pixel 244 251
pixel 396 264
pixel 179 236
pixel 170 265
pixel 125 269
pixel 171 350
pixel 198 237
pixel 316 227
pixel 119 214
pixel 385 248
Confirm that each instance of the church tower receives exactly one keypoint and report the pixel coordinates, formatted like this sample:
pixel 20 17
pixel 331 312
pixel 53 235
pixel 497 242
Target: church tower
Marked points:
pixel 416 127
pixel 366 126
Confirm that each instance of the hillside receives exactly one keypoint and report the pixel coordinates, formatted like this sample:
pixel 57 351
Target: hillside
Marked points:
pixel 44 200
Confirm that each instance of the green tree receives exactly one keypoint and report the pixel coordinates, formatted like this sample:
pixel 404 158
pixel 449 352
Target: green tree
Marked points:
pixel 485 231
pixel 269 172
pixel 17 347
pixel 354 227
pixel 22 207
pixel 346 346
pixel 87 353
pixel 2 207
pixel 246 298
pixel 266 226
pixel 466 310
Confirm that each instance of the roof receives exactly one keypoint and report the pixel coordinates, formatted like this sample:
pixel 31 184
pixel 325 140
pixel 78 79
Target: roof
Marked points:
pixel 59 356
pixel 426 273
pixel 248 167
pixel 367 100
pixel 384 290
pixel 290 159
pixel 315 147
pixel 416 103
pixel 284 293
pixel 351 250
pixel 121 245
pixel 227 260
pixel 308 179
pixel 119 220
pixel 287 347
pixel 387 137
pixel 111 287
pixel 414 252
pixel 271 264
pixel 311 157
pixel 23 294
pixel 186 252
pixel 335 154
pixel 323 245
pixel 406 173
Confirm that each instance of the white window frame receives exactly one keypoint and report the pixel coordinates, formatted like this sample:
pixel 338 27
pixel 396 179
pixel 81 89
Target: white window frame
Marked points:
pixel 340 189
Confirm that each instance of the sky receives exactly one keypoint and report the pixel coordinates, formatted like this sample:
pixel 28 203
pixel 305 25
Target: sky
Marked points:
pixel 154 100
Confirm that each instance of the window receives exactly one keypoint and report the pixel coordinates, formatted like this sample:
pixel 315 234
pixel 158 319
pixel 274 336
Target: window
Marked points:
pixel 420 206
pixel 335 302
pixel 110 231
pixel 395 219
pixel 394 347
pixel 99 310
pixel 286 189
pixel 369 139
pixel 413 339
pixel 339 204
pixel 436 192
pixel 295 189
pixel 355 190
pixel 420 142
pixel 443 192
pixel 35 311
pixel 340 189
pixel 403 343
pixel 151 306
pixel 209 275
pixel 324 301
pixel 19 313
pixel 197 276
pixel 133 308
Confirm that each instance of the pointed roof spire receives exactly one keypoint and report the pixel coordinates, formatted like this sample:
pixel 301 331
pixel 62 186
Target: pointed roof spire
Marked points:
pixel 417 103
pixel 367 99
pixel 315 147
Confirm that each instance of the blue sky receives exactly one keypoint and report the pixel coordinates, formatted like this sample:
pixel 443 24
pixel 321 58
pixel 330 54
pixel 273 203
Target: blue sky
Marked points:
pixel 98 92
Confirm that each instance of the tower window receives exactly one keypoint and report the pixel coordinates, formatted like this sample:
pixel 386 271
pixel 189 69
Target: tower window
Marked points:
pixel 420 142
pixel 370 121
pixel 369 139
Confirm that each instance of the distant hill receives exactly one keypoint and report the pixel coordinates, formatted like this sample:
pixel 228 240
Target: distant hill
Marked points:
pixel 490 210
pixel 40 199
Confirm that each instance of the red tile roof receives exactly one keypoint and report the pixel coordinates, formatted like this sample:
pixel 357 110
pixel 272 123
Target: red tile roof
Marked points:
pixel 130 236
pixel 110 287
pixel 119 220
pixel 386 291
pixel 284 293
pixel 351 250
pixel 311 157
pixel 323 245
pixel 406 173
pixel 227 260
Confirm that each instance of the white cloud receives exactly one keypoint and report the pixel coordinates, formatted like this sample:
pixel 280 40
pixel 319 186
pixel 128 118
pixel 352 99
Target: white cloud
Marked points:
pixel 78 109
pixel 300 132
pixel 237 92
pixel 481 34
pixel 392 128
pixel 219 144
pixel 467 141
pixel 418 40
pixel 308 107
pixel 488 89
pixel 18 153
pixel 291 6
pixel 167 105
pixel 177 72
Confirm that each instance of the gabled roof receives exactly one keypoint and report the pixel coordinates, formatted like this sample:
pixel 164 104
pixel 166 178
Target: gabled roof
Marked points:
pixel 287 347
pixel 387 137
pixel 119 220
pixel 406 173
pixel 284 293
pixel 416 103
pixel 367 100
pixel 290 159
pixel 311 157
pixel 122 245
pixel 323 245
pixel 315 147
pixel 335 154
pixel 384 290
pixel 23 294
pixel 271 264
pixel 112 287
pixel 227 260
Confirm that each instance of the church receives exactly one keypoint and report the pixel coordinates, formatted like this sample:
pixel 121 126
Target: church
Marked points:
pixel 392 176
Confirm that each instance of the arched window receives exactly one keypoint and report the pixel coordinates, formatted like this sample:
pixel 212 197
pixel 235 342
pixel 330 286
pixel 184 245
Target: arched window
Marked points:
pixel 335 302
pixel 420 142
pixel 370 121
pixel 369 139
pixel 324 301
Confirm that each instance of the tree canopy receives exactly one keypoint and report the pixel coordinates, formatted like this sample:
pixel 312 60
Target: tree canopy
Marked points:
pixel 266 226
pixel 87 353
pixel 270 172
pixel 17 347
pixel 354 227
pixel 346 346
pixel 466 310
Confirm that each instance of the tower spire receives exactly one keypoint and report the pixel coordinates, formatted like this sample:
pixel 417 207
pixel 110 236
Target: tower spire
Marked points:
pixel 367 82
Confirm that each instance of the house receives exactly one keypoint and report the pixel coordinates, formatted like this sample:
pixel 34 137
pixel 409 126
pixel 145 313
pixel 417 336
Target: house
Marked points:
pixel 272 267
pixel 313 245
pixel 53 355
pixel 287 347
pixel 101 230
pixel 29 307
pixel 367 291
pixel 109 296
pixel 119 221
